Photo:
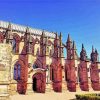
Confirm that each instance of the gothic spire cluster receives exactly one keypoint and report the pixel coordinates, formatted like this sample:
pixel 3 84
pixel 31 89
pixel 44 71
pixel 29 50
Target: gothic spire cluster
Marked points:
pixel 72 54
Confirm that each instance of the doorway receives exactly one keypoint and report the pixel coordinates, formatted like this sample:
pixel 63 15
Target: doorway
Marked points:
pixel 34 84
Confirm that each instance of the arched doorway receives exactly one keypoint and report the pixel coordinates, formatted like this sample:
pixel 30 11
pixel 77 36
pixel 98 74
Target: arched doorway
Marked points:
pixel 39 81
pixel 34 84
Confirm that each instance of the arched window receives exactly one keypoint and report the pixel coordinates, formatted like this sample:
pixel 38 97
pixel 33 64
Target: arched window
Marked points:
pixel 14 45
pixel 17 72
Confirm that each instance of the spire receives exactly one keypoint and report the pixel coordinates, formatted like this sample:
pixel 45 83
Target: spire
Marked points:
pixel 60 36
pixel 82 46
pixel 74 45
pixel 83 55
pixel 92 49
pixel 68 39
pixel 96 51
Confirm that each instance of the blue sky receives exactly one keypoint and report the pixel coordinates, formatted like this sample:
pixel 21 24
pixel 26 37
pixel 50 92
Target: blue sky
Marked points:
pixel 80 18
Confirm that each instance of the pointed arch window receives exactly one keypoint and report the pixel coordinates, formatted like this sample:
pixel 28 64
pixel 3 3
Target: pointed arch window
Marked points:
pixel 17 72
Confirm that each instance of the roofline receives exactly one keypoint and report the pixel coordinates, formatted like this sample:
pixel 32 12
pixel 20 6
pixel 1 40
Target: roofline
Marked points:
pixel 21 28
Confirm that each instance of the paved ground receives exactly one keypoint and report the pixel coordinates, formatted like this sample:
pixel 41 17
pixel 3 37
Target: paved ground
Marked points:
pixel 49 96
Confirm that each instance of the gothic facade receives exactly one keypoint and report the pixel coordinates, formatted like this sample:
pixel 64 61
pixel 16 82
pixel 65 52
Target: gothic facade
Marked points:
pixel 38 63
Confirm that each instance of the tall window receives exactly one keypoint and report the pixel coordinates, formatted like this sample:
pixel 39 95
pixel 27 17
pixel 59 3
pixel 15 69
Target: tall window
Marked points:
pixel 17 72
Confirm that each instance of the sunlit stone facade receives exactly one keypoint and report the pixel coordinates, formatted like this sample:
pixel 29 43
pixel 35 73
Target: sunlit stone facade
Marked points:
pixel 37 62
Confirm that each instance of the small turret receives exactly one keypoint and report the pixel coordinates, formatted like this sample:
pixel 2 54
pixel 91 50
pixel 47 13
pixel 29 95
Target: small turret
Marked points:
pixel 94 56
pixel 83 54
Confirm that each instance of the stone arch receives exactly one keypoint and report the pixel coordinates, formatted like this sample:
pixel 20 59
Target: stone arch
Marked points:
pixel 39 82
pixel 12 68
pixel 21 84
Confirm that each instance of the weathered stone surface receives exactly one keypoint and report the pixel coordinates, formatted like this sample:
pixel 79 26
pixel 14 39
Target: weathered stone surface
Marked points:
pixel 83 76
pixel 94 74
pixel 70 75
pixel 56 75
pixel 5 67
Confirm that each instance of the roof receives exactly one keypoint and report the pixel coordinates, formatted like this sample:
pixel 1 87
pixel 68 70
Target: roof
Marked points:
pixel 22 28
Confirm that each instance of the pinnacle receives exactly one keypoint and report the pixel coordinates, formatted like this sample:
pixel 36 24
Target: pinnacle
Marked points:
pixel 74 45
pixel 68 39
pixel 92 49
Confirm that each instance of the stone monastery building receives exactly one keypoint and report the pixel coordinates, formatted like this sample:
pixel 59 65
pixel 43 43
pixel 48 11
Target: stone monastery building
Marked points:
pixel 32 60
